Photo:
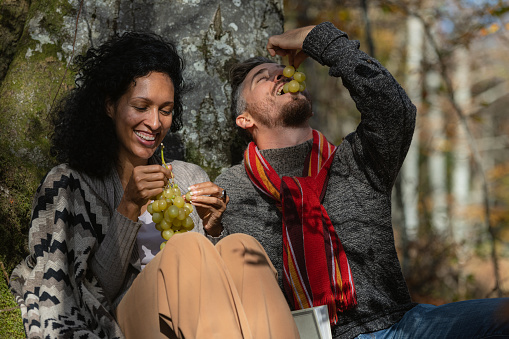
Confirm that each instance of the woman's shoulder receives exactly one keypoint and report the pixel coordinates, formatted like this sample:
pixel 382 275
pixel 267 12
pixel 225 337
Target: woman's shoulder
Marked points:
pixel 185 165
pixel 180 166
pixel 57 187
pixel 187 174
pixel 68 184
pixel 60 173
pixel 64 176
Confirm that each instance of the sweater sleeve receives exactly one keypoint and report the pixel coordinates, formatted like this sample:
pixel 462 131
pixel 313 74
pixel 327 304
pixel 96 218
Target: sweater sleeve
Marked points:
pixel 111 260
pixel 384 134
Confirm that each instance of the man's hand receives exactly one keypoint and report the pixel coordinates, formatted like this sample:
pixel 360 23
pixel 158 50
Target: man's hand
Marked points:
pixel 290 44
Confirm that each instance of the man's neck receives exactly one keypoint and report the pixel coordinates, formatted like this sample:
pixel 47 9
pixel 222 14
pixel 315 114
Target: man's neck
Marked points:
pixel 281 137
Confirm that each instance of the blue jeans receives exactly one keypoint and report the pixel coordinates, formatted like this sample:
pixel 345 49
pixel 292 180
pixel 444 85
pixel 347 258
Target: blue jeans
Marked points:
pixel 463 319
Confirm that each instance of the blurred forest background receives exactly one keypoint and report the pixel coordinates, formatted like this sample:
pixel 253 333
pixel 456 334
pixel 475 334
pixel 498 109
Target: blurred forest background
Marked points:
pixel 451 200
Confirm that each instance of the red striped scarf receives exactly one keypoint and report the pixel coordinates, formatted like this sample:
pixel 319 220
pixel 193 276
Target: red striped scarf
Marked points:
pixel 316 270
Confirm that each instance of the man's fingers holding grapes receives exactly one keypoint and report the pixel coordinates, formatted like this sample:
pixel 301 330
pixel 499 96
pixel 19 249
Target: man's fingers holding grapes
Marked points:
pixel 289 44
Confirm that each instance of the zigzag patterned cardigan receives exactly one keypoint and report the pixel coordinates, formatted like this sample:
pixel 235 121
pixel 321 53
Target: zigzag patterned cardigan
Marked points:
pixel 57 292
pixel 56 286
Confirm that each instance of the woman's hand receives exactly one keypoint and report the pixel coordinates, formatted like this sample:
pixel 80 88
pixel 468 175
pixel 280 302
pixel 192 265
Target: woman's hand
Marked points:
pixel 210 204
pixel 145 183
pixel 290 44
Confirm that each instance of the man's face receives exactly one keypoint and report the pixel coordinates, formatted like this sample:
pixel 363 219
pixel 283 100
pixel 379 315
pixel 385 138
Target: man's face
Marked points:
pixel 268 104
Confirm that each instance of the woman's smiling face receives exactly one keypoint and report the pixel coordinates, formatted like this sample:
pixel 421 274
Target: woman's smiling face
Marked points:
pixel 142 117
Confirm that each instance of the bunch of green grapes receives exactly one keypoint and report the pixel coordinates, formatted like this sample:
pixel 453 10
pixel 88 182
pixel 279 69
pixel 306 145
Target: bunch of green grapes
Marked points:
pixel 297 84
pixel 171 210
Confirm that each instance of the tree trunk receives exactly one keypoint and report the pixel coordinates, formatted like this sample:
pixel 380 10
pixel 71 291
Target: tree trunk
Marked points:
pixel 210 34
pixel 436 163
pixel 461 171
pixel 410 170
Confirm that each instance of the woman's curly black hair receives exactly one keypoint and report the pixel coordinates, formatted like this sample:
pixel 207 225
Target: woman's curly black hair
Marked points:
pixel 84 135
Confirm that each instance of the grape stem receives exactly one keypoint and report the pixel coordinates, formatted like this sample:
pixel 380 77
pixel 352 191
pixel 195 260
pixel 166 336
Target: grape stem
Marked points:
pixel 164 163
pixel 162 154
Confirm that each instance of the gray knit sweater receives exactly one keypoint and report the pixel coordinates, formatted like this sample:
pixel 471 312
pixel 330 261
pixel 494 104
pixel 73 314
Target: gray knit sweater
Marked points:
pixel 358 196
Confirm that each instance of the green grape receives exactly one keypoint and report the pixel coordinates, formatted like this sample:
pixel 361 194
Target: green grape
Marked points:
pixel 289 71
pixel 178 201
pixel 299 76
pixel 167 215
pixel 189 208
pixel 170 210
pixel 167 234
pixel 188 224
pixel 162 204
pixel 155 206
pixel 173 211
pixel 157 217
pixel 168 193
pixel 176 191
pixel 165 225
pixel 293 86
pixel 297 84
pixel 302 86
pixel 182 214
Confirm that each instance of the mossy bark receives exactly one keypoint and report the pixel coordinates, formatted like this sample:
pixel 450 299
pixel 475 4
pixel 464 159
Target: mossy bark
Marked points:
pixel 13 14
pixel 210 34
pixel 36 68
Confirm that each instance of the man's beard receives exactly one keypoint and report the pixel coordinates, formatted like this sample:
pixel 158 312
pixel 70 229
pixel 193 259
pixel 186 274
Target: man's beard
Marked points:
pixel 292 114
pixel 296 112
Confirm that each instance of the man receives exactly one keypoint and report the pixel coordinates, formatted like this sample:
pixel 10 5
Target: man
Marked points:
pixel 323 214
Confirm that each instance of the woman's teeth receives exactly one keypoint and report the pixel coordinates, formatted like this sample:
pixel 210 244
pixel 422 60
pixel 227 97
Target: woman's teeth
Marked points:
pixel 144 136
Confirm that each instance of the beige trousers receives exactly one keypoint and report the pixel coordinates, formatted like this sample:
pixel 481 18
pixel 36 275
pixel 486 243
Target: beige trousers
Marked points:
pixel 193 289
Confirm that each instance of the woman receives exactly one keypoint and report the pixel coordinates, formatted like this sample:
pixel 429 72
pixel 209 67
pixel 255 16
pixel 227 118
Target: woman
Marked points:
pixel 93 269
